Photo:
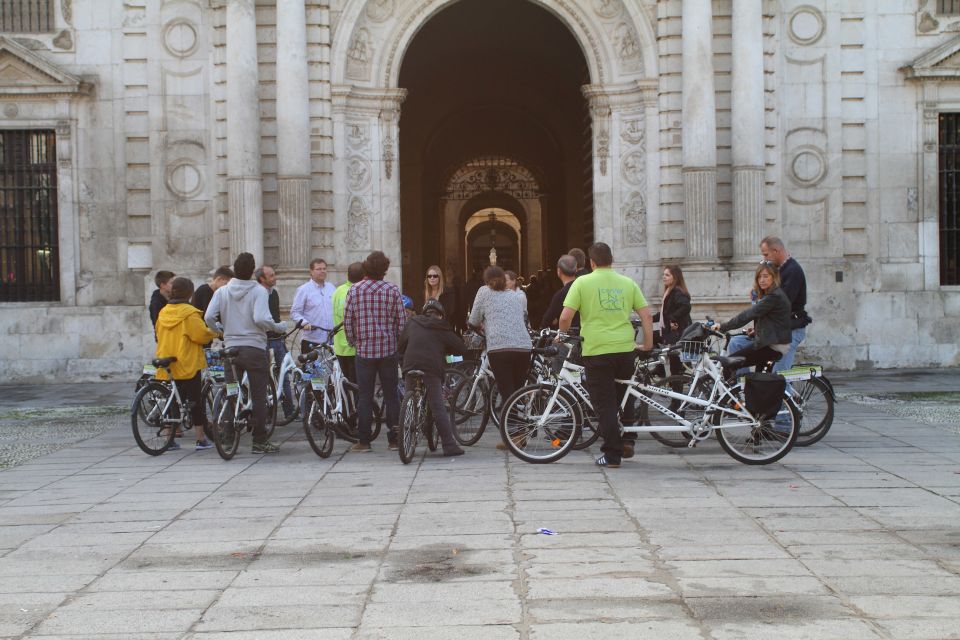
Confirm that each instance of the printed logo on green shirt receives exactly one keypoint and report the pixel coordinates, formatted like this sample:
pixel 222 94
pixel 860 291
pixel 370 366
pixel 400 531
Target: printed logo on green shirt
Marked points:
pixel 611 299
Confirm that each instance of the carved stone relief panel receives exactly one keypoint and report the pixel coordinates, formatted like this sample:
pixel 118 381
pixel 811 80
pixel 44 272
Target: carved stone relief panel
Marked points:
pixel 930 21
pixel 359 55
pixel 633 220
pixel 380 10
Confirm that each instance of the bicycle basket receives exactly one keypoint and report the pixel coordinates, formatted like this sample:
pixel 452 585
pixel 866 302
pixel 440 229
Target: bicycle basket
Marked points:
pixel 473 341
pixel 691 350
pixel 763 393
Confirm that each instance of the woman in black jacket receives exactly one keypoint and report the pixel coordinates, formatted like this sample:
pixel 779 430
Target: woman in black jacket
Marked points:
pixel 424 342
pixel 674 314
pixel 770 316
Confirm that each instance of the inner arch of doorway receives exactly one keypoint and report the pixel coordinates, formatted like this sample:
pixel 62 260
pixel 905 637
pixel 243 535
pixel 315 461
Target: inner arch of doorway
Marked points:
pixel 594 41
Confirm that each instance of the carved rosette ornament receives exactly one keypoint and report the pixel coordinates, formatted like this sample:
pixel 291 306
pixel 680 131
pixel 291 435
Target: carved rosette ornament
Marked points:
pixel 633 216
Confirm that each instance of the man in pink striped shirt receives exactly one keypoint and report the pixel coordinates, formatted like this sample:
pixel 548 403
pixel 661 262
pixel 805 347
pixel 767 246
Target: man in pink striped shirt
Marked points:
pixel 372 320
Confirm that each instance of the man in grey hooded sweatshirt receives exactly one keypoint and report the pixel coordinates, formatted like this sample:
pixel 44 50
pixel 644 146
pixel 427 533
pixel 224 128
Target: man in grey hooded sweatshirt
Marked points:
pixel 244 311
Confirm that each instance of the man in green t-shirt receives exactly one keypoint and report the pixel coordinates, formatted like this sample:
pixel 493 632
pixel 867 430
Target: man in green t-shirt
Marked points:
pixel 345 353
pixel 605 300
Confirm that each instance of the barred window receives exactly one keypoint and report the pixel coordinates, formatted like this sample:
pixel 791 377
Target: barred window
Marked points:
pixel 29 252
pixel 26 16
pixel 948 7
pixel 949 171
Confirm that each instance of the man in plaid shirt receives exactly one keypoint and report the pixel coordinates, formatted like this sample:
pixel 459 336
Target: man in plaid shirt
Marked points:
pixel 372 320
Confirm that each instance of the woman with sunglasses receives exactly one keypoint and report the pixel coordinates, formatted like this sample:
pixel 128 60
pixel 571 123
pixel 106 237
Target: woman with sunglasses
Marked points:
pixel 770 316
pixel 434 288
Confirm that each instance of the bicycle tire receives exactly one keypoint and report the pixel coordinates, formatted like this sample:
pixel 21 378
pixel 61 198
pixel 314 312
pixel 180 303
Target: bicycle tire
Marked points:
pixel 284 418
pixel 319 433
pixel 589 425
pixel 270 422
pixel 495 402
pixel 348 428
pixel 754 443
pixel 534 443
pixel 146 417
pixel 226 432
pixel 470 413
pixel 431 432
pixel 410 419
pixel 814 399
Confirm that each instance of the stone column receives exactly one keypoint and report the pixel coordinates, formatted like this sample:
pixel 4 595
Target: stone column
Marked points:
pixel 748 127
pixel 293 134
pixel 244 182
pixel 699 131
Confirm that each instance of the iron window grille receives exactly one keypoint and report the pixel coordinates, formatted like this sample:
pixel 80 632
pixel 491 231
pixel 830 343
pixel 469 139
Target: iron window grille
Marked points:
pixel 949 170
pixel 27 16
pixel 29 251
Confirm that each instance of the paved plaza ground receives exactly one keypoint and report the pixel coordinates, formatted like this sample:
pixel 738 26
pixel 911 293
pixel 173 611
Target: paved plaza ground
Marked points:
pixel 855 537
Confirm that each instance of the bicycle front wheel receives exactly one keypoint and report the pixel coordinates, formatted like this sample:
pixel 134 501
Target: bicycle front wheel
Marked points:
pixel 753 441
pixel 226 431
pixel 538 425
pixel 147 419
pixel 349 427
pixel 319 433
pixel 814 399
pixel 471 410
pixel 270 423
pixel 412 411
pixel 288 399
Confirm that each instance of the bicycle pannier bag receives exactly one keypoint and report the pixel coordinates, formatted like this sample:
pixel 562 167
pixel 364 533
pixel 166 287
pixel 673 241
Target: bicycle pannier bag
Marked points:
pixel 763 393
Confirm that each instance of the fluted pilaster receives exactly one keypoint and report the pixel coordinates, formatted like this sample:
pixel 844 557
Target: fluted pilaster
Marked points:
pixel 295 224
pixel 700 198
pixel 747 211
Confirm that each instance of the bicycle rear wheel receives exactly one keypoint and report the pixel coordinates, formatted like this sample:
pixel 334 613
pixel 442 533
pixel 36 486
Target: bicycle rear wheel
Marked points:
pixel 470 410
pixel 226 431
pixel 431 432
pixel 288 396
pixel 814 399
pixel 411 415
pixel 753 441
pixel 319 433
pixel 694 413
pixel 538 427
pixel 147 419
pixel 348 428
pixel 270 423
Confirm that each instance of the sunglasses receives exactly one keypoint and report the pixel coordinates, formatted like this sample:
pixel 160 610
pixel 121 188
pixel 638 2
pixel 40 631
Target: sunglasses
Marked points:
pixel 768 263
pixel 433 275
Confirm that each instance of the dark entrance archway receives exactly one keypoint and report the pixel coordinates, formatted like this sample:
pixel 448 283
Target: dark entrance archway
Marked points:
pixel 493 78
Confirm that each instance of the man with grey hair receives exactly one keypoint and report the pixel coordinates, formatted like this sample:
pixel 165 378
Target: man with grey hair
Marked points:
pixel 567 272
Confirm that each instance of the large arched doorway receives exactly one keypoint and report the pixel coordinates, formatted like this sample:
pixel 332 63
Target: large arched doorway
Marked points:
pixel 493 88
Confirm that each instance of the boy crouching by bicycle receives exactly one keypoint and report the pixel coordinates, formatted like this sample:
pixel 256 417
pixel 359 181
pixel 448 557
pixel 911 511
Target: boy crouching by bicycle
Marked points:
pixel 424 342
pixel 181 333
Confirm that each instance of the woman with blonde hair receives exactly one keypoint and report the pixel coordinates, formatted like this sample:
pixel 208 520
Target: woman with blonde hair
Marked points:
pixel 770 316
pixel 435 289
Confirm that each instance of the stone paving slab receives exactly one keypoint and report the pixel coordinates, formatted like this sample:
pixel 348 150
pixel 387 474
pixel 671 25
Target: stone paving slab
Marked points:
pixel 853 538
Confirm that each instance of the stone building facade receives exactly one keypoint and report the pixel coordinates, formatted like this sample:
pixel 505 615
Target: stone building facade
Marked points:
pixel 175 133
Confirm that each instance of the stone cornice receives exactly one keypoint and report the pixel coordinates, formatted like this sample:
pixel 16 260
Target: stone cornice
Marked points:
pixel 931 65
pixel 41 77
pixel 618 96
pixel 349 98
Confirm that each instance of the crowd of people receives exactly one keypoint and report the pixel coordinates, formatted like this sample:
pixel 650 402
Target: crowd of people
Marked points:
pixel 382 334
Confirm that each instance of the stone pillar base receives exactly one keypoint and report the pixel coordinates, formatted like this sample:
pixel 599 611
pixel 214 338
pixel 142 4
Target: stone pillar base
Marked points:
pixel 296 228
pixel 747 212
pixel 245 204
pixel 700 203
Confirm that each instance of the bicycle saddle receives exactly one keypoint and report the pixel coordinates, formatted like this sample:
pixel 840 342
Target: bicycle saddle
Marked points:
pixel 164 362
pixel 730 362
pixel 415 372
pixel 231 352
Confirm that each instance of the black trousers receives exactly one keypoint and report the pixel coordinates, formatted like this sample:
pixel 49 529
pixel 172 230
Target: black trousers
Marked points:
pixel 349 367
pixel 191 390
pixel 253 361
pixel 605 395
pixel 755 357
pixel 510 370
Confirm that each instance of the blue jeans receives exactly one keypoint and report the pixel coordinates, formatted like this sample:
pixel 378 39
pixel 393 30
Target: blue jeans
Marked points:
pixel 368 369
pixel 786 362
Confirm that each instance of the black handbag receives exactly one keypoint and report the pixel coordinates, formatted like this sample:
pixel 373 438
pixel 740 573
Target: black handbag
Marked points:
pixel 763 393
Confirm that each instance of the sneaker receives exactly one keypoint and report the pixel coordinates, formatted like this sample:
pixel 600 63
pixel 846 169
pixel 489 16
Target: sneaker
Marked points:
pixel 392 446
pixel 604 461
pixel 174 446
pixel 204 444
pixel 360 448
pixel 628 448
pixel 265 447
pixel 453 451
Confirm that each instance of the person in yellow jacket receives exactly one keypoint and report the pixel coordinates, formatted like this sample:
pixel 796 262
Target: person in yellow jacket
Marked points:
pixel 181 333
pixel 345 353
